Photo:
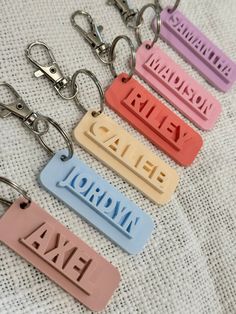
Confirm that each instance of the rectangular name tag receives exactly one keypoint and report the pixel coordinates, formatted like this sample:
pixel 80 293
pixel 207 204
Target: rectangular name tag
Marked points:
pixel 98 202
pixel 116 148
pixel 197 49
pixel 152 118
pixel 59 254
pixel 174 84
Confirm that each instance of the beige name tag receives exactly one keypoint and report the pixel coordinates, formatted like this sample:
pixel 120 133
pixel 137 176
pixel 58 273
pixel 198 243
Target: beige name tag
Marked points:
pixel 119 150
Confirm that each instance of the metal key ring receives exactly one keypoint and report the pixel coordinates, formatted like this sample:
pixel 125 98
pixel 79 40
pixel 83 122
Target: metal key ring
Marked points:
pixel 75 91
pixel 42 119
pixel 99 87
pixel 140 17
pixel 64 135
pixel 16 187
pixel 171 10
pixel 133 58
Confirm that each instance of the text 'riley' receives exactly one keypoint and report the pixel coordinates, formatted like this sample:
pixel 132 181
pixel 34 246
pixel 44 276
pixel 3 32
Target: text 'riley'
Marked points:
pixel 168 79
pixel 152 118
pixel 54 250
pixel 197 49
pixel 115 147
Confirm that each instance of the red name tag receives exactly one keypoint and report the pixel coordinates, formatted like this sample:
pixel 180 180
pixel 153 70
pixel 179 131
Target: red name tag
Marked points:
pixel 153 119
pixel 59 254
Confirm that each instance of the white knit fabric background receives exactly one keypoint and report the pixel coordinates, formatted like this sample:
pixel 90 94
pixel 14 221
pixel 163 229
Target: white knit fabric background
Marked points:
pixel 189 265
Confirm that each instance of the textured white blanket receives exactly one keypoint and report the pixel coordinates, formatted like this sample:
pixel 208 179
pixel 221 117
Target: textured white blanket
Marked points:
pixel 189 265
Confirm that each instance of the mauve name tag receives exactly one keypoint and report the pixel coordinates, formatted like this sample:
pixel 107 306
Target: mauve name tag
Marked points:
pixel 197 49
pixel 59 254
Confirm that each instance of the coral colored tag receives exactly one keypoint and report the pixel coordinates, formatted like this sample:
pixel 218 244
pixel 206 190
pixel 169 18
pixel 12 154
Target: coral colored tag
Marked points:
pixel 59 254
pixel 116 148
pixel 153 119
pixel 97 201
pixel 197 49
pixel 174 84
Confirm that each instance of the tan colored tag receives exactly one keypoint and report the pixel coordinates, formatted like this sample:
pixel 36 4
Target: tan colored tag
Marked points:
pixel 119 150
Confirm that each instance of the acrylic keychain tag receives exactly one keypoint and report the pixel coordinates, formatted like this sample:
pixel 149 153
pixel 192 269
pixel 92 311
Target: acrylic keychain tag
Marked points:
pixel 97 202
pixel 169 80
pixel 62 256
pixel 120 151
pixel 149 116
pixel 218 69
pixel 79 187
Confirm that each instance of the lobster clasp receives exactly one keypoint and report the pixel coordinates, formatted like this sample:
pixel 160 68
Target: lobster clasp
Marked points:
pixel 126 12
pixel 94 36
pixel 18 107
pixel 50 70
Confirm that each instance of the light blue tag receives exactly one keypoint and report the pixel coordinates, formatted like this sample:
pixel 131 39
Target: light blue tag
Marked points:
pixel 98 202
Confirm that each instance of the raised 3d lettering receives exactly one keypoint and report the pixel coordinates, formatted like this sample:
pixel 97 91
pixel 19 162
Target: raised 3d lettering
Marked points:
pixel 125 155
pixel 173 83
pixel 153 119
pixel 84 186
pixel 97 201
pixel 59 254
pixel 176 134
pixel 197 49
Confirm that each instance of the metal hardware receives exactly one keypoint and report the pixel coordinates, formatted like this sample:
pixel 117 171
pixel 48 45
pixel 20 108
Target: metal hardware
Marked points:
pixel 132 60
pixel 51 71
pixel 32 119
pixel 93 37
pixel 171 10
pixel 128 15
pixel 16 187
pixel 99 87
pixel 140 18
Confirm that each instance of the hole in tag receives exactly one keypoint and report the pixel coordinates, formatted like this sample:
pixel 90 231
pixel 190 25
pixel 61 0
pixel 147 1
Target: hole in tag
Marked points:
pixel 25 205
pixel 95 114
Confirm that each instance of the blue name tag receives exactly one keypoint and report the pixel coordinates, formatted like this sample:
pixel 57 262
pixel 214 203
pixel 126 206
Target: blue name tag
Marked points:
pixel 98 202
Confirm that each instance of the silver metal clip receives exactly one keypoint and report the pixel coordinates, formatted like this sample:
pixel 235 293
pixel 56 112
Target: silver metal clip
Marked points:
pixel 23 112
pixel 51 71
pixel 35 122
pixel 93 37
pixel 128 15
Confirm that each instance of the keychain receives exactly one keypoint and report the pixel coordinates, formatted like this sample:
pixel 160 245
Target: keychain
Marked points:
pixel 169 80
pixel 41 240
pixel 147 114
pixel 211 62
pixel 51 71
pixel 80 188
pixel 119 150
pixel 128 15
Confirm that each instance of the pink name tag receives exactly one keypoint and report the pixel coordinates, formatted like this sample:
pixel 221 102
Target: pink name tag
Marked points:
pixel 197 49
pixel 175 85
pixel 59 254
